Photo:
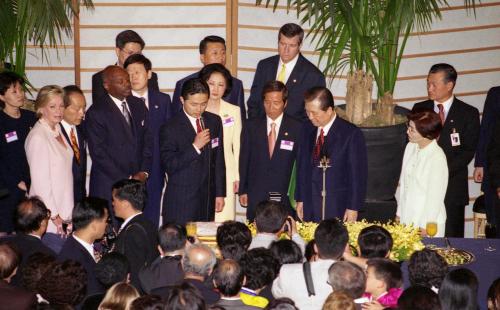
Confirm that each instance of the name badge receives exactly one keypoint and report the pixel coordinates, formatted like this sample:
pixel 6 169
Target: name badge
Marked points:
pixel 228 122
pixel 215 142
pixel 286 145
pixel 11 136
pixel 455 138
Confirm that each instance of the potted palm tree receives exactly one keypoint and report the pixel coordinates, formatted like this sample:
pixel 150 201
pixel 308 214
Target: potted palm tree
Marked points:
pixel 39 22
pixel 368 38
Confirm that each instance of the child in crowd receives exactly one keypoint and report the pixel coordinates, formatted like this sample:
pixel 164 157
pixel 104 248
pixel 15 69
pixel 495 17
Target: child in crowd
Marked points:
pixel 383 283
pixel 373 242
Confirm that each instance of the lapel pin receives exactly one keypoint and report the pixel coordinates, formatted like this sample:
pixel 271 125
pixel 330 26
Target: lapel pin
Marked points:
pixel 286 133
pixel 294 80
pixel 156 107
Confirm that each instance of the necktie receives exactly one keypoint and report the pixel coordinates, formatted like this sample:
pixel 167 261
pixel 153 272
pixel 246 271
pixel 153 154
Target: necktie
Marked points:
pixel 441 113
pixel 144 100
pixel 74 144
pixel 271 139
pixel 281 75
pixel 125 112
pixel 319 144
pixel 198 126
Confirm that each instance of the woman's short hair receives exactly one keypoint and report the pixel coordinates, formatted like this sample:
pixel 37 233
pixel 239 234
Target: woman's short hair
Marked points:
pixel 185 297
pixel 36 266
pixel 64 284
pixel 427 268
pixel 427 123
pixel 459 290
pixel 210 69
pixel 119 296
pixel 339 300
pixel 494 295
pixel 45 94
pixel 286 251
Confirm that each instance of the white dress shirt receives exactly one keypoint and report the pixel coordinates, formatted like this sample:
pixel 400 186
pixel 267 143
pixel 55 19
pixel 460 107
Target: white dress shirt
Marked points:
pixel 327 127
pixel 288 68
pixel 277 121
pixel 67 128
pixel 145 96
pixel 118 103
pixel 192 120
pixel 128 220
pixel 89 247
pixel 446 104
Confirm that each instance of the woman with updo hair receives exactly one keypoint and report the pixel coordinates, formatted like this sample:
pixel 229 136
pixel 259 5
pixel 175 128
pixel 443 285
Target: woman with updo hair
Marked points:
pixel 50 159
pixel 219 81
pixel 424 174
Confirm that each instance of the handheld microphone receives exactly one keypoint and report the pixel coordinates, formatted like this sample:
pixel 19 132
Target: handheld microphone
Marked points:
pixel 202 122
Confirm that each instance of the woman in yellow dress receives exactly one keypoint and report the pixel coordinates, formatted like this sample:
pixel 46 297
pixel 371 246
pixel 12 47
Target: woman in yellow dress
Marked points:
pixel 219 80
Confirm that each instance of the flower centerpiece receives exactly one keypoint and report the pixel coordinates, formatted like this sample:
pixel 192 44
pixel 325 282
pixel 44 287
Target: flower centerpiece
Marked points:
pixel 406 238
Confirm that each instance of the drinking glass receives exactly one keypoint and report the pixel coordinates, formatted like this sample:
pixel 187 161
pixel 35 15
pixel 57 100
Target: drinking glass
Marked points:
pixel 191 229
pixel 431 228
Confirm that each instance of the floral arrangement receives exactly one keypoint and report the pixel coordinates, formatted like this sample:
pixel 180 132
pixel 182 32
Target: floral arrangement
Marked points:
pixel 406 238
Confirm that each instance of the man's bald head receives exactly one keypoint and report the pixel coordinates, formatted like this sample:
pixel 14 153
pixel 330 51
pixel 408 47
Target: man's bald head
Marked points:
pixel 198 260
pixel 32 216
pixel 116 81
pixel 228 277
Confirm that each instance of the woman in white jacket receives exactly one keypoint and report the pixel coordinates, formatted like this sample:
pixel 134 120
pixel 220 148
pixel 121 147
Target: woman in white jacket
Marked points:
pixel 424 175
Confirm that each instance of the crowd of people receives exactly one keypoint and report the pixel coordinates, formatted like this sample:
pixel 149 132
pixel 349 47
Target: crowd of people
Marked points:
pixel 175 271
pixel 156 160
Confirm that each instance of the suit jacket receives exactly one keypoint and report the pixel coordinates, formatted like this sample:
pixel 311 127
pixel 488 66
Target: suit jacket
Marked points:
pixel 27 245
pixel 304 76
pixel 73 250
pixel 51 170
pixel 234 304
pixel 345 179
pixel 464 120
pixel 260 174
pixel 14 298
pixel 210 296
pixel 290 283
pixel 194 180
pixel 98 89
pixel 494 157
pixel 79 169
pixel 117 149
pixel 491 112
pixel 160 111
pixel 236 96
pixel 138 242
pixel 164 271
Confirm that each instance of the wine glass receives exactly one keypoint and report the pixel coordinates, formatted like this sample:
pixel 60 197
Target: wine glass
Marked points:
pixel 490 232
pixel 431 228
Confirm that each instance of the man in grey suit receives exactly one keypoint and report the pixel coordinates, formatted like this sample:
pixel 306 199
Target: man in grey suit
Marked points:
pixel 228 279
pixel 288 67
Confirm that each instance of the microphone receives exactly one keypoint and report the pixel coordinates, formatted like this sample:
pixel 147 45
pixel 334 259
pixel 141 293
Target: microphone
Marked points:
pixel 202 122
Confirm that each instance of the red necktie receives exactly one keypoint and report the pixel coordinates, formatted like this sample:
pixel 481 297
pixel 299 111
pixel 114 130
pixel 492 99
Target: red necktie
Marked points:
pixel 441 113
pixel 74 145
pixel 319 144
pixel 198 126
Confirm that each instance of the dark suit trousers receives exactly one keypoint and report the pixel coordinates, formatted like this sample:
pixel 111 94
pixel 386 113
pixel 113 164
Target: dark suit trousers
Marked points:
pixel 455 216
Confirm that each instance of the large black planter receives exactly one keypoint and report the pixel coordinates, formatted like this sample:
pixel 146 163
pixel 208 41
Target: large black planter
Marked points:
pixel 385 148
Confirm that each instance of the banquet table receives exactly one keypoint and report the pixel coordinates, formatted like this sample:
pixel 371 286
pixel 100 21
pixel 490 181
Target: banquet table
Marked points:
pixel 486 265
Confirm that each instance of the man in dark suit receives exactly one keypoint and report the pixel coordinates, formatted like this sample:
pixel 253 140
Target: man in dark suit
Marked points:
pixel 166 270
pixel 13 298
pixel 491 112
pixel 213 50
pixel 72 129
pixel 192 154
pixel 268 151
pixel 160 110
pixel 331 138
pixel 127 43
pixel 119 139
pixel 228 279
pixel 89 223
pixel 290 68
pixel 137 235
pixel 494 170
pixel 31 219
pixel 458 140
pixel 198 263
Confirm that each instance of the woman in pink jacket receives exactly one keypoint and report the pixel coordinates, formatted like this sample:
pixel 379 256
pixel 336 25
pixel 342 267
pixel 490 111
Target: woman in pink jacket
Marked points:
pixel 50 159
